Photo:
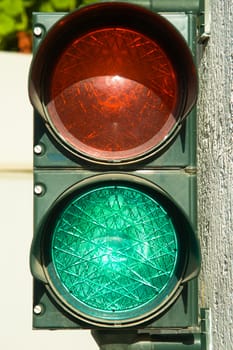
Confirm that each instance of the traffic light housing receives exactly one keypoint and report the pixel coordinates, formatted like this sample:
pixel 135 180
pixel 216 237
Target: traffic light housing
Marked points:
pixel 115 244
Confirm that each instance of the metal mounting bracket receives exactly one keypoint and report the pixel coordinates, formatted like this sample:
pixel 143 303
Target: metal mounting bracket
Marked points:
pixel 158 339
pixel 207 23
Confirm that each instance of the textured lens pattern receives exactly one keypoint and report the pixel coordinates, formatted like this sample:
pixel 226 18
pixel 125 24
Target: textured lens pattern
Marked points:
pixel 113 94
pixel 114 248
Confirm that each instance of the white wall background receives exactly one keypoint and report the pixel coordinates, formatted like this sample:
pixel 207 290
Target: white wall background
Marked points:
pixel 16 217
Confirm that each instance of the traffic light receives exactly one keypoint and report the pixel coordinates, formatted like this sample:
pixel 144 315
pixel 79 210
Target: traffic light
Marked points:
pixel 115 248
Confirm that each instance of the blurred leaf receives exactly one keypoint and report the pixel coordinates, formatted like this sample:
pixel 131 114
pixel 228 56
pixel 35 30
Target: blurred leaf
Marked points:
pixel 16 17
pixel 12 8
pixel 61 5
pixel 7 25
pixel 22 22
pixel 29 3
pixel 88 2
pixel 46 6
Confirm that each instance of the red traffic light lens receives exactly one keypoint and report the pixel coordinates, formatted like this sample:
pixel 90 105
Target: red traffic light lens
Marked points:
pixel 113 94
pixel 113 82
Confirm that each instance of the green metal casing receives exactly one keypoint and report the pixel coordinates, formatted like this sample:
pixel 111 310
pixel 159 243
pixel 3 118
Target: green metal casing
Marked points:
pixel 174 170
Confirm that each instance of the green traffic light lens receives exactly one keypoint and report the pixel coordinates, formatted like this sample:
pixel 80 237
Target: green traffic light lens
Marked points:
pixel 114 253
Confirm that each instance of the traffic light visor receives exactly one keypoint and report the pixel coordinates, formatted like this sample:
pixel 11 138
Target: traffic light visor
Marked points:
pixel 117 86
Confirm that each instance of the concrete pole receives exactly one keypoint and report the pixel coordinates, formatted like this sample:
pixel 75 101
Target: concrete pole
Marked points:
pixel 215 181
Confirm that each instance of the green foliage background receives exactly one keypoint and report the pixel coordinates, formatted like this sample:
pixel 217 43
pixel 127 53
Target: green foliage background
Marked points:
pixel 15 17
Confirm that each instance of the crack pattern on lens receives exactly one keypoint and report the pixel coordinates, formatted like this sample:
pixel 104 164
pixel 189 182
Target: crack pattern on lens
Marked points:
pixel 113 92
pixel 114 248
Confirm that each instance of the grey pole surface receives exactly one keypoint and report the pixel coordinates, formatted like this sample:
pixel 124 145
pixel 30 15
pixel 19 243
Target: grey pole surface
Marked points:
pixel 215 180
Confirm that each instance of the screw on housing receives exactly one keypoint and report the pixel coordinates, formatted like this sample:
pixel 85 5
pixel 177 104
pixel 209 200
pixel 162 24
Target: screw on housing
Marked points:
pixel 37 31
pixel 38 189
pixel 38 149
pixel 37 309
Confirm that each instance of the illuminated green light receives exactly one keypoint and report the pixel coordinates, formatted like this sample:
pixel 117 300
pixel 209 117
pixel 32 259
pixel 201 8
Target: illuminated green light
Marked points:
pixel 114 250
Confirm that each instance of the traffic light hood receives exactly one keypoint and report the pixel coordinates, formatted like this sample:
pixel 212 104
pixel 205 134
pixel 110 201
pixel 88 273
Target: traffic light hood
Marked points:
pixel 117 241
pixel 101 65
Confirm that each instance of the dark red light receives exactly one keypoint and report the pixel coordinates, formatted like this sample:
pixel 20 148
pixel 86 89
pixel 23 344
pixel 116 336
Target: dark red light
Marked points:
pixel 113 94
